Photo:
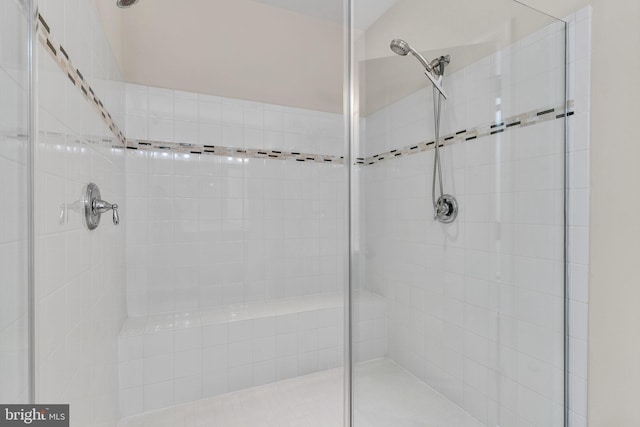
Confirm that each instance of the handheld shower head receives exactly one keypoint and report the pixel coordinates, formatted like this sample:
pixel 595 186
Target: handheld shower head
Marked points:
pixel 402 48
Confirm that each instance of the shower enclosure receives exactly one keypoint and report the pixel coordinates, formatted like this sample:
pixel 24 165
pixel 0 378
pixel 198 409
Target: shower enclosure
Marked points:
pixel 474 308
pixel 277 258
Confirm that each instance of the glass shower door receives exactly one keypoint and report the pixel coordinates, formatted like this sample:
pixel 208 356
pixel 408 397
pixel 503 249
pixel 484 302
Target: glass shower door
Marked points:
pixel 14 158
pixel 460 323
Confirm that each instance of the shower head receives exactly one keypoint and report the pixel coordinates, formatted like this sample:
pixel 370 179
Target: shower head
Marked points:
pixel 402 48
pixel 125 3
pixel 434 70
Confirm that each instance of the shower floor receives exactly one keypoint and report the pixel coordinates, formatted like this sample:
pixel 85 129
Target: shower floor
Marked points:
pixel 386 395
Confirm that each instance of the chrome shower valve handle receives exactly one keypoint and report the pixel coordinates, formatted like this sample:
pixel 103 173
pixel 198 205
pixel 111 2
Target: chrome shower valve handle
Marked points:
pixel 446 209
pixel 94 207
pixel 100 207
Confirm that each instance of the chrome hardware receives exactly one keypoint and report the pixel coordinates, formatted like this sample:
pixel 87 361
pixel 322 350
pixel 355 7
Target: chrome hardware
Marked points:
pixel 439 64
pixel 446 209
pixel 434 70
pixel 94 207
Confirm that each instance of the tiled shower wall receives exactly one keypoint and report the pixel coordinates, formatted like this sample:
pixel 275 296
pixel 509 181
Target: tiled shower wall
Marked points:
pixel 13 193
pixel 476 307
pixel 80 274
pixel 205 230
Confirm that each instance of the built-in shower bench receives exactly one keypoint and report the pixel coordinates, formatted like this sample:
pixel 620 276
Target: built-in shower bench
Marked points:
pixel 176 358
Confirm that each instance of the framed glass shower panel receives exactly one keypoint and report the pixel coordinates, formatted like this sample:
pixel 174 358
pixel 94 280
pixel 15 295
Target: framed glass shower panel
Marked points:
pixel 460 323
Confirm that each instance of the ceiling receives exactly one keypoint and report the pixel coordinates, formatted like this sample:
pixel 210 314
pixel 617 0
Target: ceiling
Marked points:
pixel 291 52
pixel 287 52
pixel 366 11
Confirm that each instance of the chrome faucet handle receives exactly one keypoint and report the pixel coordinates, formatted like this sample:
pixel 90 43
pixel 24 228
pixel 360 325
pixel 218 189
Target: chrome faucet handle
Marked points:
pixel 116 217
pixel 95 207
pixel 446 209
pixel 100 207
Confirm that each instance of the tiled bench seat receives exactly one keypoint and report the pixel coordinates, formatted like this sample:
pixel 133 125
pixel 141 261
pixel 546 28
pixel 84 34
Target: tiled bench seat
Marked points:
pixel 171 359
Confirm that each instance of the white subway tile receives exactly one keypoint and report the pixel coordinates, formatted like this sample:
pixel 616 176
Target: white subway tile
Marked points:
pixel 131 401
pixel 158 343
pixel 130 374
pixel 215 358
pixel 188 389
pixel 264 372
pixel 158 395
pixel 158 369
pixel 240 353
pixel 186 107
pixel 215 335
pixel 264 349
pixel 187 363
pixel 130 347
pixel 215 382
pixel 240 377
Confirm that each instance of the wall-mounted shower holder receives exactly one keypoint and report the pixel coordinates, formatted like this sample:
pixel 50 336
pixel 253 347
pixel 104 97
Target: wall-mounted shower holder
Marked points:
pixel 94 207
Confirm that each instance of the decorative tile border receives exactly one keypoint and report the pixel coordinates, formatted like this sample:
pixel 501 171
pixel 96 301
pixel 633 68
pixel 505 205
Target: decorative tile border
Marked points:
pixel 61 57
pixel 253 153
pixel 518 121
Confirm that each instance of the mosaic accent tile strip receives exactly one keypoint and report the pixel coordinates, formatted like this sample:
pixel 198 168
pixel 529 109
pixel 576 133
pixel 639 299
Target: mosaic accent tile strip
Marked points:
pixel 518 121
pixel 252 153
pixel 85 139
pixel 61 57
